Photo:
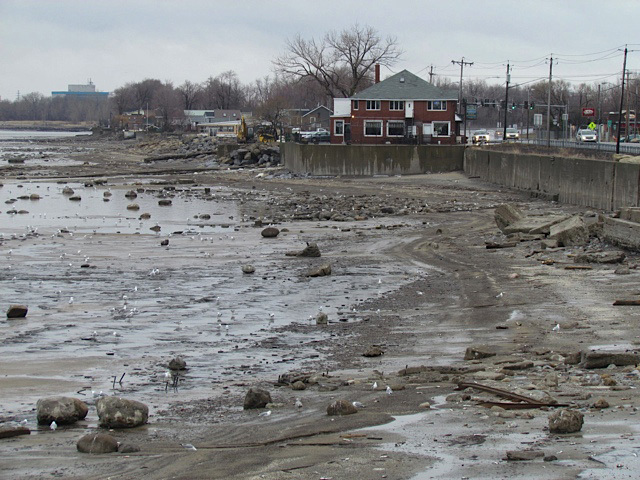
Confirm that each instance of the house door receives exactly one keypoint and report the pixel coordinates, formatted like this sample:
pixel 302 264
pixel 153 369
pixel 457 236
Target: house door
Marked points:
pixel 347 133
pixel 408 110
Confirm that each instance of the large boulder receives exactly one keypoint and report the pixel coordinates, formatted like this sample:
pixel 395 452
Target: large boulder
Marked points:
pixel 62 410
pixel 566 421
pixel 595 359
pixel 97 443
pixel 341 407
pixel 116 412
pixel 256 398
pixel 270 232
pixel 571 232
pixel 17 311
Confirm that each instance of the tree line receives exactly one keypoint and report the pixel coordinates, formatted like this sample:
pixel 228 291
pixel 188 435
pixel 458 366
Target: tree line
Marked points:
pixel 310 72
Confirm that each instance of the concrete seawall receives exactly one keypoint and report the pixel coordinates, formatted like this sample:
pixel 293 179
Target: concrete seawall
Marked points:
pixel 598 184
pixel 369 160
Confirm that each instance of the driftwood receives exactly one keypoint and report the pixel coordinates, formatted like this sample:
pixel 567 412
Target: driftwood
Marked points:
pixel 171 156
pixel 635 301
pixel 524 402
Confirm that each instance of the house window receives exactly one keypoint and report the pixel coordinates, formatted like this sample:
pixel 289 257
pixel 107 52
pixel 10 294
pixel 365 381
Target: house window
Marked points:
pixel 356 104
pixel 373 104
pixel 395 128
pixel 440 129
pixel 312 119
pixel 396 105
pixel 438 105
pixel 339 128
pixel 373 128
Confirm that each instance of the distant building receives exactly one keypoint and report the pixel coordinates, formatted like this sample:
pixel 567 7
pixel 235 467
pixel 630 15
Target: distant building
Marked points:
pixel 215 122
pixel 88 90
pixel 317 118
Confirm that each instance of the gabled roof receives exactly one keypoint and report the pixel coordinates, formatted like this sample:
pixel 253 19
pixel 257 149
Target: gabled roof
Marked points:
pixel 318 108
pixel 405 85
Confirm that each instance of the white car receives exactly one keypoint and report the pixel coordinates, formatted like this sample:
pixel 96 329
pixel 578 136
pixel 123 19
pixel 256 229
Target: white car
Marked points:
pixel 480 136
pixel 512 134
pixel 586 135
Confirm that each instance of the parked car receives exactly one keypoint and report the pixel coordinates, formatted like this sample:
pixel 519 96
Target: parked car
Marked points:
pixel 634 138
pixel 512 134
pixel 315 133
pixel 586 135
pixel 480 136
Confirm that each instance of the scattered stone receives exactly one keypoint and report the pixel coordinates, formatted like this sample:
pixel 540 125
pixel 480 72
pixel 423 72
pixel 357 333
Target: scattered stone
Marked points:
pixel 164 242
pixel 518 366
pixel 97 443
pixel 476 353
pixel 204 216
pixel 566 421
pixel 75 198
pixel 270 232
pixel 133 206
pixel 601 403
pixel 341 407
pixel 298 385
pixel 322 319
pixel 322 271
pixel 425 405
pixel 524 455
pixel 145 216
pixel 128 448
pixel 62 410
pixel 550 458
pixel 116 412
pixel 131 194
pixel 8 432
pixel 248 269
pixel 107 194
pixel 256 398
pixel 165 202
pixel 622 270
pixel 177 363
pixel 374 351
pixel 600 257
pixel 595 359
pixel 155 228
pixel 17 311
pixel 67 191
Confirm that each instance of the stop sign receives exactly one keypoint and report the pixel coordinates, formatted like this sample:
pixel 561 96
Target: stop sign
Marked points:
pixel 588 112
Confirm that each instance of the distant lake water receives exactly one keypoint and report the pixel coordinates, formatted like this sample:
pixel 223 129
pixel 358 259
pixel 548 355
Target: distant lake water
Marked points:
pixel 36 134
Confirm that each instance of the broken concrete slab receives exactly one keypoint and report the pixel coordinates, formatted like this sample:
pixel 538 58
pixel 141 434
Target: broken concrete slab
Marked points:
pixel 535 225
pixel 506 214
pixel 600 257
pixel 570 232
pixel 631 214
pixel 595 359
pixel 524 455
pixel 478 352
pixel 622 232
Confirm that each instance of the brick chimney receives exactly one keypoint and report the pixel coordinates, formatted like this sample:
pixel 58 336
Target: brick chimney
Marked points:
pixel 377 73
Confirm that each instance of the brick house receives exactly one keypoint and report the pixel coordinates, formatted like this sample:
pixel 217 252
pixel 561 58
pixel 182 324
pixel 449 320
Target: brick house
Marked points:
pixel 401 109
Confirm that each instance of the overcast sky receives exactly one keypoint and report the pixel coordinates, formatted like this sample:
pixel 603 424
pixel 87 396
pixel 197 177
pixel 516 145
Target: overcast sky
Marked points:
pixel 47 44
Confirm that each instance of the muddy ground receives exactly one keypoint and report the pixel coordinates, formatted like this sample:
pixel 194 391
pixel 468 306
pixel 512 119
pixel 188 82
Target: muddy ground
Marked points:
pixel 410 273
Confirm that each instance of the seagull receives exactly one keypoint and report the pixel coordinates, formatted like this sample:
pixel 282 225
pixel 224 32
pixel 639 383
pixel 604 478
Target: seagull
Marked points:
pixel 358 404
pixel 265 414
pixel 556 328
pixel 298 403
pixel 272 315
pixel 24 422
pixel 53 425
pixel 389 391
pixel 420 293
pixel 70 300
pixel 374 386
pixel 500 295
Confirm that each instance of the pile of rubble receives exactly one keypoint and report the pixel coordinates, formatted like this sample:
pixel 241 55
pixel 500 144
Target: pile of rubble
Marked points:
pixel 261 154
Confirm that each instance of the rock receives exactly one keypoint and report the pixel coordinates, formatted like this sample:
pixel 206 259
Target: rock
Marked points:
pixel 341 407
pixel 600 257
pixel 425 405
pixel 322 319
pixel 524 455
pixel 8 432
pixel 601 403
pixel 67 191
pixel 17 311
pixel 128 448
pixel 570 232
pixel 622 270
pixel 133 206
pixel 204 216
pixel 97 443
pixel 298 385
pixel 311 250
pixel 165 202
pixel 507 214
pixel 164 242
pixel 75 198
pixel 322 271
pixel 374 351
pixel 145 216
pixel 270 232
pixel 62 410
pixel 256 398
pixel 518 366
pixel 595 359
pixel 565 421
pixel 116 412
pixel 177 363
pixel 131 194
pixel 248 269
pixel 476 353
pixel 155 228
pixel 107 194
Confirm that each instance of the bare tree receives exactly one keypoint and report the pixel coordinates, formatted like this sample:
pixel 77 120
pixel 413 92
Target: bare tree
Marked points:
pixel 144 92
pixel 190 93
pixel 167 105
pixel 341 61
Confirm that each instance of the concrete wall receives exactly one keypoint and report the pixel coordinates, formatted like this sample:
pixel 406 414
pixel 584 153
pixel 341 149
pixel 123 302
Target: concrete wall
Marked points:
pixel 369 160
pixel 599 184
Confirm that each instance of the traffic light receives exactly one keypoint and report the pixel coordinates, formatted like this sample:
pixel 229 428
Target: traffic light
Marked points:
pixel 526 105
pixel 513 106
pixel 503 104
pixel 532 106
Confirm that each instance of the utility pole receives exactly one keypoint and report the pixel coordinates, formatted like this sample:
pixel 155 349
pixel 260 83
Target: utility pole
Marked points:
pixel 627 128
pixel 624 69
pixel 549 102
pixel 528 108
pixel 599 117
pixel 431 73
pixel 506 106
pixel 462 63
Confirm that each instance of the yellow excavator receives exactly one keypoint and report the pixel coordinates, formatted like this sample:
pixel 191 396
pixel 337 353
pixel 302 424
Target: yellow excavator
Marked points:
pixel 243 131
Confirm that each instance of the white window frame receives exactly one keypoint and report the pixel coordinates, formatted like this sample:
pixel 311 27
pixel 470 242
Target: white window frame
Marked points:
pixel 374 103
pixel 435 131
pixel 379 122
pixel 335 128
pixel 396 105
pixel 404 129
pixel 443 106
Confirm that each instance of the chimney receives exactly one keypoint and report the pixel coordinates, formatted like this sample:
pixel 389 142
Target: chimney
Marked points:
pixel 377 73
